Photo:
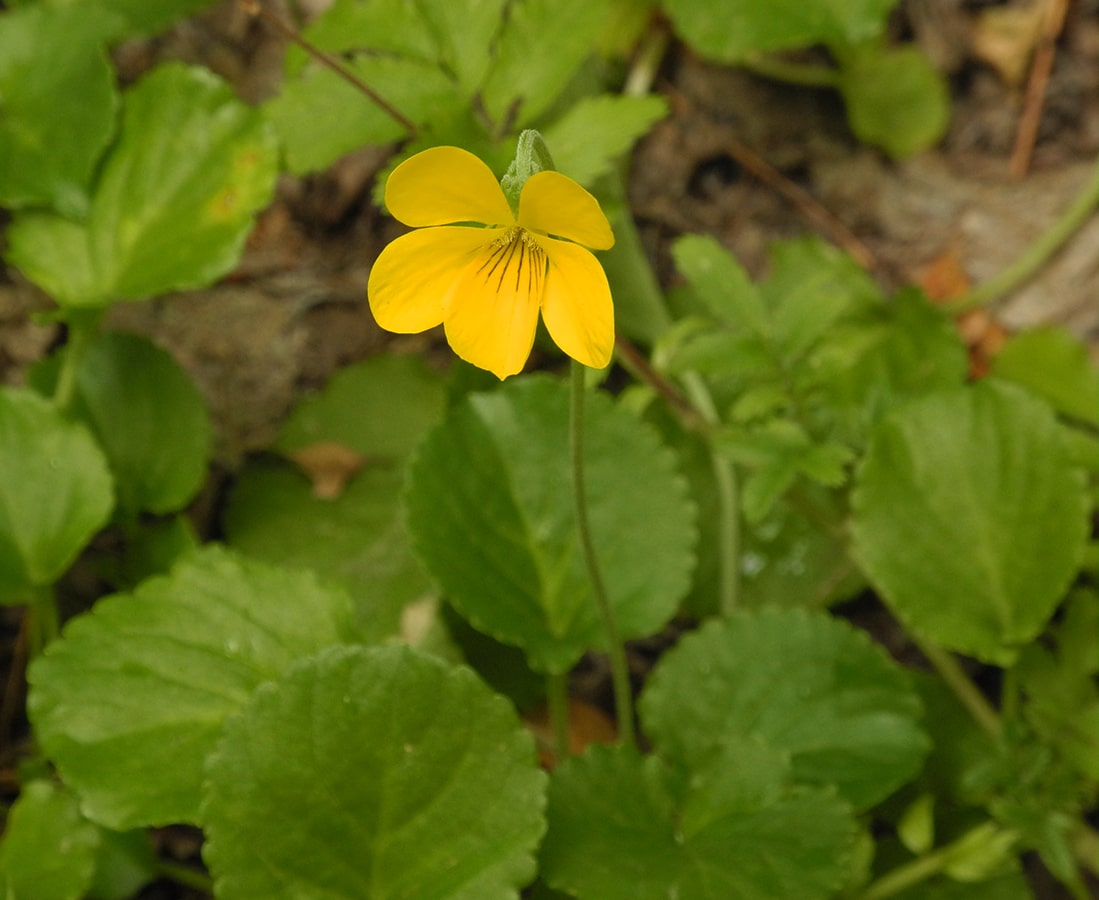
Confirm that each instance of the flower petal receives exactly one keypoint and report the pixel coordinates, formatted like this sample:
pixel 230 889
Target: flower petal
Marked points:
pixel 444 185
pixel 413 275
pixel 554 204
pixel 491 316
pixel 577 306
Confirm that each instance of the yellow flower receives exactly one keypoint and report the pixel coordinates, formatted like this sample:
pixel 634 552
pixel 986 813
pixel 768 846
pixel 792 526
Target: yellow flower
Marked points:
pixel 484 272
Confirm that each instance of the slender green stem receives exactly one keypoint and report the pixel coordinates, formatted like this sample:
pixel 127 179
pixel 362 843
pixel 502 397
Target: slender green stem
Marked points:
pixel 557 699
pixel 82 328
pixel 906 876
pixel 1036 255
pixel 805 74
pixel 728 524
pixel 963 688
pixel 43 621
pixel 185 875
pixel 620 675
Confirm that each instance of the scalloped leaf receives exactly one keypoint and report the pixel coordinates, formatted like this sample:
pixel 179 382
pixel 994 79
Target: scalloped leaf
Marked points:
pixel 970 517
pixel 491 514
pixel 174 201
pixel 422 783
pixel 131 698
pixel 804 683
pixel 627 827
pixel 55 493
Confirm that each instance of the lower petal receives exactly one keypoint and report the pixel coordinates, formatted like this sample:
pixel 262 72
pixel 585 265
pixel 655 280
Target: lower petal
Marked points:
pixel 492 314
pixel 412 278
pixel 577 306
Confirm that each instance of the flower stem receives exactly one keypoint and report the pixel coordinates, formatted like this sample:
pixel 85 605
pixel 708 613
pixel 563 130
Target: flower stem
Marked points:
pixel 557 699
pixel 43 621
pixel 82 328
pixel 804 74
pixel 185 875
pixel 962 687
pixel 1037 254
pixel 616 650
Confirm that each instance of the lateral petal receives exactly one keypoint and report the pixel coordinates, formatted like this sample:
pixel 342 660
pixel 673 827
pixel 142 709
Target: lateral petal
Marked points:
pixel 551 203
pixel 577 306
pixel 413 276
pixel 445 185
pixel 491 316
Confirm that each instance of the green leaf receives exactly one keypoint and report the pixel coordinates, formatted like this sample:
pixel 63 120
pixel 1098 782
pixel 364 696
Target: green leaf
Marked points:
pixel 451 37
pixel 970 518
pixel 418 89
pixel 776 452
pixel 356 540
pixel 594 132
pixel 1054 364
pixel 730 32
pixel 131 698
pixel 55 494
pixel 892 353
pixel 131 394
pixel 379 408
pixel 491 514
pixel 48 849
pixel 721 283
pixel 422 783
pixel 627 827
pixel 124 864
pixel 540 47
pixel 174 201
pixel 812 285
pixel 895 98
pixel 139 17
pixel 804 683
pixel 1058 682
pixel 59 104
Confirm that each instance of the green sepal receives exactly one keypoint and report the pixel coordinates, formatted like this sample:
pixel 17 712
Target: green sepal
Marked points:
pixel 531 156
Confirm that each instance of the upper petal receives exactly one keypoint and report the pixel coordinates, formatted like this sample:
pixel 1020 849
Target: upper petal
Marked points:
pixel 576 305
pixel 492 314
pixel 444 185
pixel 413 276
pixel 554 204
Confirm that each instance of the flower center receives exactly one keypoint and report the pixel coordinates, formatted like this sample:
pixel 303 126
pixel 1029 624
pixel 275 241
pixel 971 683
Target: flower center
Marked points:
pixel 515 254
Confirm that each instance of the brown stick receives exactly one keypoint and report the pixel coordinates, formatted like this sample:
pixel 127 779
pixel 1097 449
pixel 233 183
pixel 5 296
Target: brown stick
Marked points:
pixel 1026 134
pixel 257 9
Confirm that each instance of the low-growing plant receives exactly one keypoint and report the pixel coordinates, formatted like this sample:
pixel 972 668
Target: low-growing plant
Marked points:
pixel 339 692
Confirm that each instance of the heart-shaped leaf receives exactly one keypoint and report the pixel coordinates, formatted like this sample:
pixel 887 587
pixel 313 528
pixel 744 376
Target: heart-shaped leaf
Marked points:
pixel 421 783
pixel 491 513
pixel 626 827
pixel 805 683
pixel 970 518
pixel 131 698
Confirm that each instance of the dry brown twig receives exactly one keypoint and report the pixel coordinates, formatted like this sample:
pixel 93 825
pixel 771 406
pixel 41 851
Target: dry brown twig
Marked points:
pixel 1041 65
